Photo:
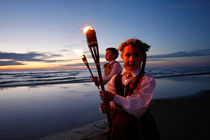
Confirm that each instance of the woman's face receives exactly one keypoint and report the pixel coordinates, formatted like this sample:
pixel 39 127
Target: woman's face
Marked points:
pixel 132 58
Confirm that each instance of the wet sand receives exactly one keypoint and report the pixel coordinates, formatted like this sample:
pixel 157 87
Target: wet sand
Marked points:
pixel 34 112
pixel 178 118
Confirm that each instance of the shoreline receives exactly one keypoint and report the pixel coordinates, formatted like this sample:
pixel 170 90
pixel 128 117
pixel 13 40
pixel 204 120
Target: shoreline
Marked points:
pixel 176 118
pixel 87 81
pixel 182 75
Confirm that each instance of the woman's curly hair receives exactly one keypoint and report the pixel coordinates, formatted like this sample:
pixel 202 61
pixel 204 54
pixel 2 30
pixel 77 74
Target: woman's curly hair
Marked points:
pixel 135 43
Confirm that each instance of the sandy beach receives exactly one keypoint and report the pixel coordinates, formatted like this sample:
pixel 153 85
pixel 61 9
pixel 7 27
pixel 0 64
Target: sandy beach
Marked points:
pixel 70 111
pixel 180 118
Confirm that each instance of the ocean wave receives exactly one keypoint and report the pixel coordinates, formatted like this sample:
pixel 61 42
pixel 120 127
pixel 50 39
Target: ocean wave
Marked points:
pixel 33 78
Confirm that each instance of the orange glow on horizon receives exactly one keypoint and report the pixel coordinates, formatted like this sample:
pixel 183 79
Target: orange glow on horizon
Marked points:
pixel 77 64
pixel 12 68
pixel 42 66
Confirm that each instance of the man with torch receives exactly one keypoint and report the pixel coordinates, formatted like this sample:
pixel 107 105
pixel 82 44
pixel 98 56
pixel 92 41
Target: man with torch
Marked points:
pixel 93 47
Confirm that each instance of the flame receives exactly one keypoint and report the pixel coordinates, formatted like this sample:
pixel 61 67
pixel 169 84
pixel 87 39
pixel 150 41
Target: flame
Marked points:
pixel 87 28
pixel 79 52
pixel 83 56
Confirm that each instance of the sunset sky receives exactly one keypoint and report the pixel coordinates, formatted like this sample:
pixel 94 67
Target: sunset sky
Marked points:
pixel 39 34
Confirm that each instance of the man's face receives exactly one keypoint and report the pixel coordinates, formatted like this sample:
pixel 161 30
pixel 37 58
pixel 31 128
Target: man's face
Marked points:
pixel 109 55
pixel 132 58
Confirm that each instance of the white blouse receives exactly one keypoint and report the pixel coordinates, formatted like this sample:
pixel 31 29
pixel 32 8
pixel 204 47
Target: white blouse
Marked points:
pixel 115 70
pixel 137 103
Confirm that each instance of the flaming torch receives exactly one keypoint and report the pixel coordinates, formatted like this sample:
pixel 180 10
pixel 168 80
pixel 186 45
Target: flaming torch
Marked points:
pixel 84 59
pixel 93 47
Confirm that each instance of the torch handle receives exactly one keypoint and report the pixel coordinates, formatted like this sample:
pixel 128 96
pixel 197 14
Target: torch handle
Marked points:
pixel 108 115
pixel 100 77
pixel 93 46
pixel 89 69
pixel 95 55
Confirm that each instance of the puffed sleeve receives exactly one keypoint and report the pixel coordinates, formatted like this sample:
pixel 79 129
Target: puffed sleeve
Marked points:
pixel 111 85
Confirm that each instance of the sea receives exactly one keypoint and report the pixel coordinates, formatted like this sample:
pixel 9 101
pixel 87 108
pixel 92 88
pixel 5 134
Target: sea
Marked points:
pixel 45 77
pixel 38 103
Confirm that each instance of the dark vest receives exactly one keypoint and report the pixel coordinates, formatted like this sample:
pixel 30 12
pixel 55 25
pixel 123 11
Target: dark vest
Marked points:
pixel 126 126
pixel 108 68
pixel 129 88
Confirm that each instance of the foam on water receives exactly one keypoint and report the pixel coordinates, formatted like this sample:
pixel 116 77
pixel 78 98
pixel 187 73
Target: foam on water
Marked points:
pixel 30 78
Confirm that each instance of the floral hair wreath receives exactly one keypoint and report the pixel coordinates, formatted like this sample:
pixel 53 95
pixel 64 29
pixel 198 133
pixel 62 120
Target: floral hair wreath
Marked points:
pixel 135 43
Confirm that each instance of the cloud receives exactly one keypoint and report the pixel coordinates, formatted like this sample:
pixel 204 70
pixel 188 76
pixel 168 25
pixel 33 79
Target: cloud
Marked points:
pixel 31 56
pixel 161 57
pixel 8 59
pixel 7 63
pixel 183 54
pixel 14 58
